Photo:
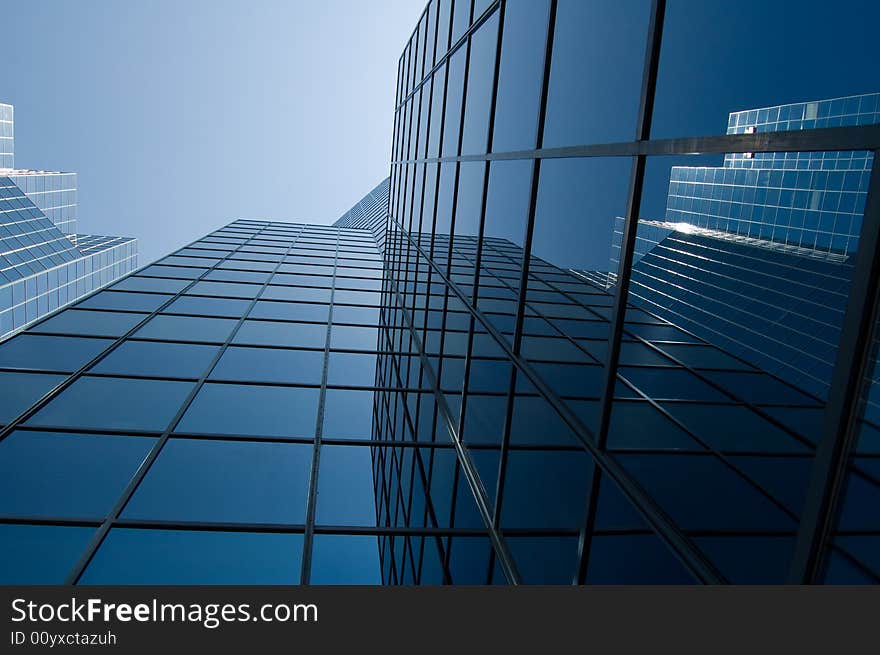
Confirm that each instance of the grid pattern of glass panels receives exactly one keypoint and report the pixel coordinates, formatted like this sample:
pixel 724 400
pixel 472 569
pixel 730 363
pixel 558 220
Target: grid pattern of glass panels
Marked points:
pixel 217 401
pixel 53 193
pixel 473 403
pixel 370 213
pixel 594 441
pixel 40 267
pixel 29 241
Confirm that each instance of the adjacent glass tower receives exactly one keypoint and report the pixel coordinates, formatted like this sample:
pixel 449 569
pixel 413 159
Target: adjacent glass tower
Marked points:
pixel 44 263
pixel 449 385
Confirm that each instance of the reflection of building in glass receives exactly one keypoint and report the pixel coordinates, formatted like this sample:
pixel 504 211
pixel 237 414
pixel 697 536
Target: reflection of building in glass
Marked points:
pixel 755 256
pixel 44 263
pixel 435 390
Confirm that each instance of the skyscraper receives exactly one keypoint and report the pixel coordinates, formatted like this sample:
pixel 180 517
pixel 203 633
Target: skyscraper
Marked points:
pixel 44 263
pixel 440 388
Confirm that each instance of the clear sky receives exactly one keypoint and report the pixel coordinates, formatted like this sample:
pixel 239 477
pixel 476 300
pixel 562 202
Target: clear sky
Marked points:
pixel 182 116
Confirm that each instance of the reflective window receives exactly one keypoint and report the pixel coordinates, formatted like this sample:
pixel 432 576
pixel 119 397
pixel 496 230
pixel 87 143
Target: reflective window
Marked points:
pixel 288 311
pixel 596 103
pixel 136 302
pixel 40 554
pixel 346 491
pixel 356 338
pixel 698 84
pixel 634 559
pixel 353 369
pixel 118 403
pixel 519 77
pixel 348 414
pixel 345 559
pixel 252 410
pixel 270 365
pixel 231 289
pixel 237 276
pixel 274 333
pixel 154 284
pixel 361 315
pixel 300 294
pixel 452 120
pixel 546 489
pixel 187 328
pixel 225 481
pixel 90 323
pixel 180 557
pixel 208 306
pixel 58 475
pixel 31 351
pixel 700 492
pixel 481 71
pixel 21 390
pixel 158 359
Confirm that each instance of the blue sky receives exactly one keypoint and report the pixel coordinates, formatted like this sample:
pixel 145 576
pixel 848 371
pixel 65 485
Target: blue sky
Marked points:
pixel 182 116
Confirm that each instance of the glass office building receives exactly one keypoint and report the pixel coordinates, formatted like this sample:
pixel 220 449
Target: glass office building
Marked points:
pixel 44 263
pixel 443 387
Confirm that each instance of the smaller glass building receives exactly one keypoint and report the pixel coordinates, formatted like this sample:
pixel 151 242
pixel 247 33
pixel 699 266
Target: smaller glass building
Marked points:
pixel 44 263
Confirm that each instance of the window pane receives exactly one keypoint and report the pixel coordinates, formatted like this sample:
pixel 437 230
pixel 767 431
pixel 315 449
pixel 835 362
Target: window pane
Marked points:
pixel 179 557
pixel 595 103
pixel 270 365
pixel 90 323
pixel 273 333
pixel 300 294
pixel 828 53
pixel 348 414
pixel 289 311
pixel 225 481
pixel 39 554
pixel 356 338
pixel 154 284
pixel 187 328
pixel 519 77
pixel 452 120
pixel 32 351
pixel 229 289
pixel 114 403
pixel 21 390
pixel 481 70
pixel 346 493
pixel 140 302
pixel 361 315
pixel 634 559
pixel 352 369
pixel 158 359
pixel 252 410
pixel 208 306
pixel 345 559
pixel 77 475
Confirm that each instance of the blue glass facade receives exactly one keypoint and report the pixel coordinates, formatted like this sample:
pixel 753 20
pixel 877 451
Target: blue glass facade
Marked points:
pixel 449 385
